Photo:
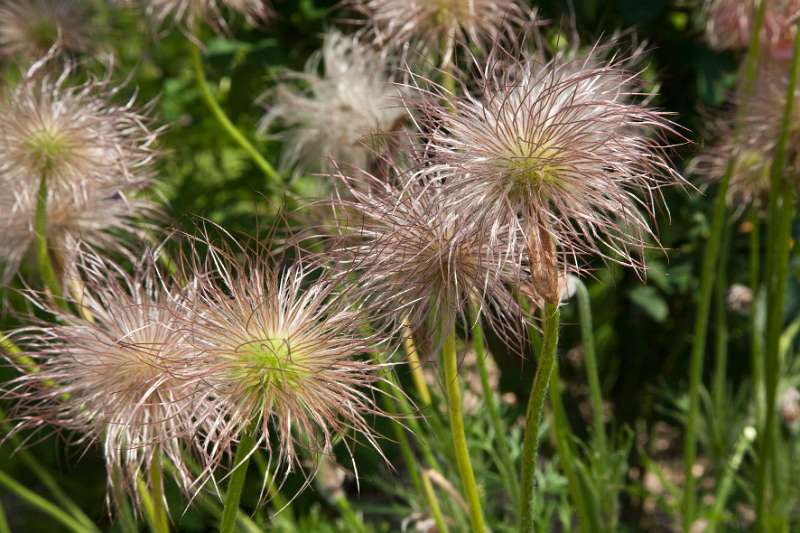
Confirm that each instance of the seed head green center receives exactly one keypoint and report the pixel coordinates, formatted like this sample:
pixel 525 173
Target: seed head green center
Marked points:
pixel 47 148
pixel 271 361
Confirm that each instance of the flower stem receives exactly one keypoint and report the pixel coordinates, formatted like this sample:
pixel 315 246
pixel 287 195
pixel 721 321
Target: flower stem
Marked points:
pixel 273 177
pixel 723 492
pixel 530 447
pixel 460 447
pixel 415 365
pixel 42 504
pixel 590 360
pixel 718 380
pixel 500 430
pixel 757 340
pixel 781 214
pixel 433 503
pixel 227 523
pixel 43 258
pixel 710 260
pixel 160 518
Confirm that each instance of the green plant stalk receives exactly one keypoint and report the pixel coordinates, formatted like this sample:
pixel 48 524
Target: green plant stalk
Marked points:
pixel 499 427
pixel 415 365
pixel 781 214
pixel 241 461
pixel 530 447
pixel 42 504
pixel 590 361
pixel 710 260
pixel 757 348
pixel 726 485
pixel 273 177
pixel 4 528
pixel 43 258
pixel 561 435
pixel 460 447
pixel 158 501
pixel 433 503
pixel 718 381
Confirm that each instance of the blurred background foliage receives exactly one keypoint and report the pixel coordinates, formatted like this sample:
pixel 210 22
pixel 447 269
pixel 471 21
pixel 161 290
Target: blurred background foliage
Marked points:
pixel 642 327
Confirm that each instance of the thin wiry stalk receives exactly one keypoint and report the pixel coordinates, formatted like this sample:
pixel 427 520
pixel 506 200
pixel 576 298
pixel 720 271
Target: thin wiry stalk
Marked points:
pixel 42 504
pixel 756 339
pixel 415 366
pixel 433 503
pixel 781 214
pixel 461 448
pixel 43 259
pixel 275 181
pixel 710 258
pixel 719 390
pixel 158 498
pixel 590 361
pixel 544 369
pixel 508 472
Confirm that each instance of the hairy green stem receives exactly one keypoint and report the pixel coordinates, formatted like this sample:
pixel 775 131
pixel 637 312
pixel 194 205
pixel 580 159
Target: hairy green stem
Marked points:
pixel 781 214
pixel 273 177
pixel 241 461
pixel 44 261
pixel 415 365
pixel 499 427
pixel 590 361
pixel 530 447
pixel 160 518
pixel 726 485
pixel 460 447
pixel 710 260
pixel 42 504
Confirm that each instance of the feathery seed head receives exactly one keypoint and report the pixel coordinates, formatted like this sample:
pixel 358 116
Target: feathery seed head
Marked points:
pixel 29 29
pixel 730 25
pixel 341 112
pixel 188 13
pixel 126 380
pixel 419 259
pixel 432 25
pixel 94 154
pixel 284 358
pixel 560 151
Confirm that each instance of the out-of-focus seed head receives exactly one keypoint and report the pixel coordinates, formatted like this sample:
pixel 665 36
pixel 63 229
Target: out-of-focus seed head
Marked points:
pixel 431 25
pixel 749 135
pixel 340 114
pixel 29 29
pixel 730 24
pixel 95 155
pixel 419 259
pixel 188 13
pixel 125 380
pixel 285 358
pixel 566 152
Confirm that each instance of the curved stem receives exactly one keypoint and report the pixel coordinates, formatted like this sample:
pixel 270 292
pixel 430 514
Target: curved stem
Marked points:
pixel 590 360
pixel 241 461
pixel 501 433
pixel 461 449
pixel 530 447
pixel 274 178
pixel 42 504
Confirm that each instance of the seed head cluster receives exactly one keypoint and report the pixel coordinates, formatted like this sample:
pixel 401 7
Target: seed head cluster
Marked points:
pixel 566 153
pixel 188 12
pixel 730 24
